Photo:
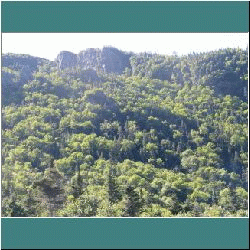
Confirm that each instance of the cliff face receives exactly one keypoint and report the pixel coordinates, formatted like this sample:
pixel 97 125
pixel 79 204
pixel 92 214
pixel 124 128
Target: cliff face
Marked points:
pixel 110 60
pixel 114 60
pixel 66 59
pixel 90 59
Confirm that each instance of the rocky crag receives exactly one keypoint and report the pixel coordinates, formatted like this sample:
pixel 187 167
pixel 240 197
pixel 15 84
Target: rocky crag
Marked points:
pixel 108 59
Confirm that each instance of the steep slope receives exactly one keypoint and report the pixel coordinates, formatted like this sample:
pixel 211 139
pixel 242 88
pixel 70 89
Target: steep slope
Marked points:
pixel 142 136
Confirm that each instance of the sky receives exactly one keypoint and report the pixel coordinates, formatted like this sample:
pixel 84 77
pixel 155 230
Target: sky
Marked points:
pixel 49 45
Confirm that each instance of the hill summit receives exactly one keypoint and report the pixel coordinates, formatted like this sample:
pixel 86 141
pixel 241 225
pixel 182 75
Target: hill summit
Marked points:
pixel 108 59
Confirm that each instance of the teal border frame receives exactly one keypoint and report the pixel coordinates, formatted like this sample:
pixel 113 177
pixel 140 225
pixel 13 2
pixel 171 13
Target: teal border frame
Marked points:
pixel 125 233
pixel 127 16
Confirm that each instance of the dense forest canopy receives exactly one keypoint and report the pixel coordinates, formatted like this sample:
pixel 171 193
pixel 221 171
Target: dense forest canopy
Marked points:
pixel 117 134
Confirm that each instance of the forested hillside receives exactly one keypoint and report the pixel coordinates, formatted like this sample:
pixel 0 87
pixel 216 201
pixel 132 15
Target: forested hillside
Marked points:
pixel 117 134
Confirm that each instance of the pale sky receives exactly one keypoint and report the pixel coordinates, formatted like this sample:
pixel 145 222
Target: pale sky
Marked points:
pixel 48 45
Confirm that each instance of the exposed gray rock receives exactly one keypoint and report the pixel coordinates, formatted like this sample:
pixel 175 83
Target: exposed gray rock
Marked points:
pixel 66 59
pixel 109 60
pixel 114 60
pixel 90 59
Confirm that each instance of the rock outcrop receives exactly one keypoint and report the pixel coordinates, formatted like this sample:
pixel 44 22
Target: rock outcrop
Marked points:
pixel 90 59
pixel 108 59
pixel 66 59
pixel 114 60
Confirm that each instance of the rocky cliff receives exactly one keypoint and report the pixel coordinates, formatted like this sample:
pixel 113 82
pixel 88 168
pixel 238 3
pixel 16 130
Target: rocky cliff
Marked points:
pixel 108 59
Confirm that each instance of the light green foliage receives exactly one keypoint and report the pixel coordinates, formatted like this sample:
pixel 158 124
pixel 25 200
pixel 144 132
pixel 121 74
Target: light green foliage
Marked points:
pixel 168 137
